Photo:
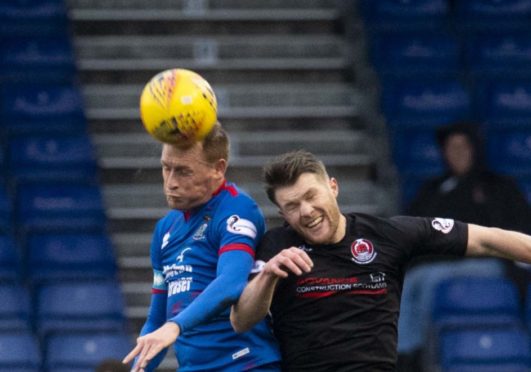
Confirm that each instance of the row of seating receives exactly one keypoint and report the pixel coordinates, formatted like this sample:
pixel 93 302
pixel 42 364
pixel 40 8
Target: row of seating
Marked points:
pixel 62 307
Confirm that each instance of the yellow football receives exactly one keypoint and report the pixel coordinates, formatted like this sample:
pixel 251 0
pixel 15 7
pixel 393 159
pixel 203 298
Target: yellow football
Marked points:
pixel 178 106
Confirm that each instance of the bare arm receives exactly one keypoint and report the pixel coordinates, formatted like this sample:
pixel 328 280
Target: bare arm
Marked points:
pixel 256 298
pixel 490 241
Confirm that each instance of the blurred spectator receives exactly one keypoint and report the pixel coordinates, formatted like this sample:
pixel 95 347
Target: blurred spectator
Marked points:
pixel 468 191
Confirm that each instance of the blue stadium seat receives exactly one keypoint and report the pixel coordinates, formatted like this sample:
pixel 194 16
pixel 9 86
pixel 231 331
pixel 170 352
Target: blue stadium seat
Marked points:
pixel 498 55
pixel 59 207
pixel 72 352
pixel 509 151
pixel 492 14
pixel 14 308
pixel 32 109
pixel 419 104
pixel 69 257
pixel 503 103
pixel 80 306
pixel 485 346
pixel 424 55
pixel 52 158
pixel 9 260
pixel 6 211
pixel 416 153
pixel 19 351
pixel 37 59
pixel 32 17
pixel 493 367
pixel 401 15
pixel 525 186
pixel 466 301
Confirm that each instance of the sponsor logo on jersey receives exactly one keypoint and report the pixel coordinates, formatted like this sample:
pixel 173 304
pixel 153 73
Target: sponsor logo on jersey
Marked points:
pixel 180 257
pixel 172 270
pixel 237 225
pixel 241 353
pixel 200 232
pixel 444 225
pixel 165 240
pixel 258 266
pixel 179 286
pixel 362 251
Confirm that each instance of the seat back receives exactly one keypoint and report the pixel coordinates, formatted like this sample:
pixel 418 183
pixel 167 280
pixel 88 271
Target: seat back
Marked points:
pixel 19 350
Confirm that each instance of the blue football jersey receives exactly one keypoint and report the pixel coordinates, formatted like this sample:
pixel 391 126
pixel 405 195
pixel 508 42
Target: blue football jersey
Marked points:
pixel 185 251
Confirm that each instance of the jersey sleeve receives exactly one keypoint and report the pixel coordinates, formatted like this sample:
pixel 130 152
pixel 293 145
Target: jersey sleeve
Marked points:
pixel 430 236
pixel 239 225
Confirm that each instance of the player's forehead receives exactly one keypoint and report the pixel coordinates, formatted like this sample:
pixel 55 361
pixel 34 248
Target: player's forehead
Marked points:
pixel 177 156
pixel 306 183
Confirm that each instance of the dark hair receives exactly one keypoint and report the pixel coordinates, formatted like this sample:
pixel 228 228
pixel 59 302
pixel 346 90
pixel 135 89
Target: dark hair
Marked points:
pixel 471 131
pixel 285 170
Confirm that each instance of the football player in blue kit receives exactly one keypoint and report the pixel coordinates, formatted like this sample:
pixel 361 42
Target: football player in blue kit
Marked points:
pixel 332 281
pixel 202 252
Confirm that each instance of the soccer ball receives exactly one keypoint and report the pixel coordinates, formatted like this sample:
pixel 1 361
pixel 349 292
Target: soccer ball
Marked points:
pixel 178 106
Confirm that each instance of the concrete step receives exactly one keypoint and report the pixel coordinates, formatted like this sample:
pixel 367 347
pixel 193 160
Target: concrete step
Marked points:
pixel 108 52
pixel 119 147
pixel 102 100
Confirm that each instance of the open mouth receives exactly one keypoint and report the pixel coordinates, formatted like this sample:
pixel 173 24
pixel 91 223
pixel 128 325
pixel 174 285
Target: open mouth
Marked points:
pixel 315 222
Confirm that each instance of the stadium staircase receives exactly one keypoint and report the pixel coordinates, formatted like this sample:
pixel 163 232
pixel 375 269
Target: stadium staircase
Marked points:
pixel 285 75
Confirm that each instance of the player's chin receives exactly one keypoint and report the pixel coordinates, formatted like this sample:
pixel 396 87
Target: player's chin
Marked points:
pixel 177 203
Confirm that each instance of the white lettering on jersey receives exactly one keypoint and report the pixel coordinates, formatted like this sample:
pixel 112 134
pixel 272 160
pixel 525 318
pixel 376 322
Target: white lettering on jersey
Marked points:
pixel 258 266
pixel 165 240
pixel 237 225
pixel 240 353
pixel 444 225
pixel 179 286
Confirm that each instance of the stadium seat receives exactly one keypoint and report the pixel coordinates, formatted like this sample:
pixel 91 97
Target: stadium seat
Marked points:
pixel 75 351
pixel 37 59
pixel 43 108
pixel 9 259
pixel 491 367
pixel 52 158
pixel 6 211
pixel 32 17
pixel 503 103
pixel 492 14
pixel 491 55
pixel 19 351
pixel 485 346
pixel 59 207
pixel 80 306
pixel 63 257
pixel 401 15
pixel 421 104
pixel 466 301
pixel 416 152
pixel 14 308
pixel 415 55
pixel 525 185
pixel 509 151
pixel 418 295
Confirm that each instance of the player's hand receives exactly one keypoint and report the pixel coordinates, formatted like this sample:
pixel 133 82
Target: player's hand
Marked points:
pixel 293 260
pixel 148 346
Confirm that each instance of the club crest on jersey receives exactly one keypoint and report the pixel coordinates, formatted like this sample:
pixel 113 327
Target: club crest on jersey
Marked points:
pixel 237 225
pixel 362 251
pixel 200 232
pixel 444 225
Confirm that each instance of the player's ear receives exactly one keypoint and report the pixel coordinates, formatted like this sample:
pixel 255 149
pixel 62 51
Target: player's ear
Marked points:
pixel 220 166
pixel 334 186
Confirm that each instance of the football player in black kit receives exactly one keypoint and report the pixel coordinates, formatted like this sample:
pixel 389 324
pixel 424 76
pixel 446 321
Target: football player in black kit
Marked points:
pixel 333 281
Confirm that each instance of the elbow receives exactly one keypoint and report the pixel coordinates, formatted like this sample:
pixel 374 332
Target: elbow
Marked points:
pixel 237 323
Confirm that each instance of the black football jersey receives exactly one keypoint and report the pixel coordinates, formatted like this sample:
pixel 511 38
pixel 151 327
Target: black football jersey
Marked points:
pixel 342 316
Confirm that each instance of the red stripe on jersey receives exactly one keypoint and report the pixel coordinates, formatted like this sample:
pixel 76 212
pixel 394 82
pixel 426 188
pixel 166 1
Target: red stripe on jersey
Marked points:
pixel 236 247
pixel 230 188
pixel 158 291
